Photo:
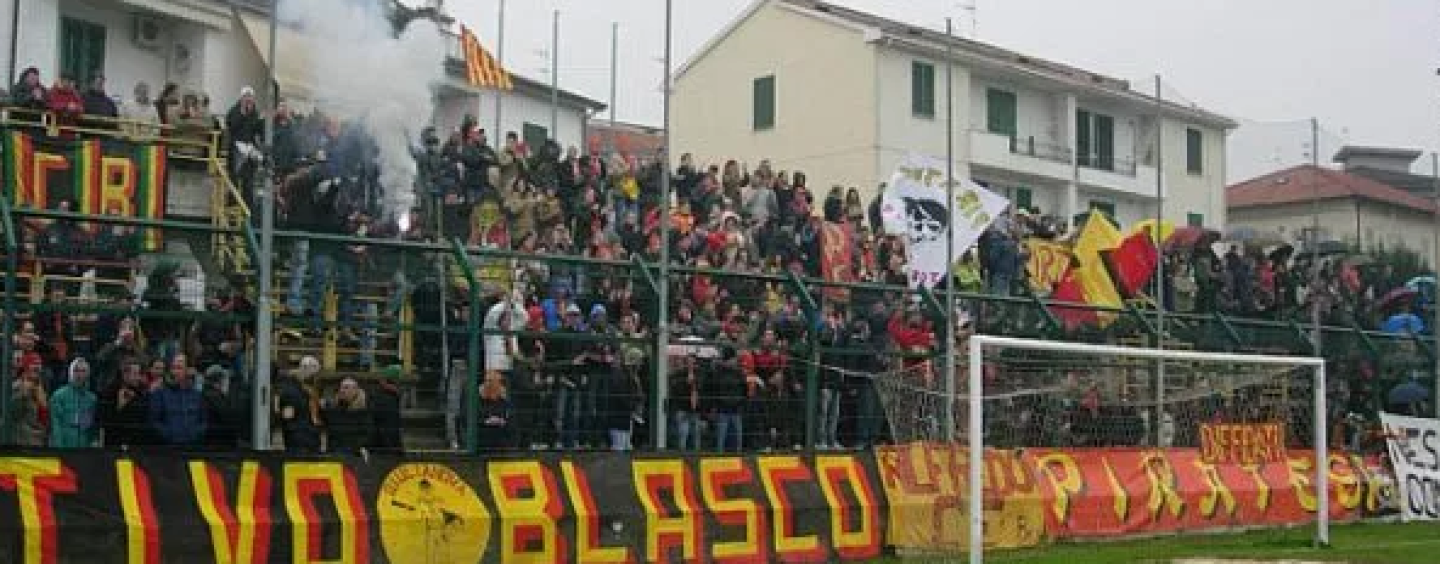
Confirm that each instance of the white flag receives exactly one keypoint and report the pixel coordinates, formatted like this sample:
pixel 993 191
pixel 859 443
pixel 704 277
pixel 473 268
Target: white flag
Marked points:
pixel 914 205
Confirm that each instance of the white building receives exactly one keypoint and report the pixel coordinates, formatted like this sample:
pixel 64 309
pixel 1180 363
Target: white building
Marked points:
pixel 218 47
pixel 842 95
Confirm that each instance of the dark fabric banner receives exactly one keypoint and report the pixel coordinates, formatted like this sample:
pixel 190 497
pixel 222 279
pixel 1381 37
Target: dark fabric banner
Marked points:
pixel 165 507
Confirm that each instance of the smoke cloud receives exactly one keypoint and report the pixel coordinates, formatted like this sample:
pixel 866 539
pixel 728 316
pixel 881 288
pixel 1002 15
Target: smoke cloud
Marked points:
pixel 363 74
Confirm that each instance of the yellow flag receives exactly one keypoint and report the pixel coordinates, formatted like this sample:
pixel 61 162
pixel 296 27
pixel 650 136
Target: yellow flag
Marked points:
pixel 1098 235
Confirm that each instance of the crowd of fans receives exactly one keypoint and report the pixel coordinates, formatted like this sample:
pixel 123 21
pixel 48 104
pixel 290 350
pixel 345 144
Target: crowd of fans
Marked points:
pixel 565 355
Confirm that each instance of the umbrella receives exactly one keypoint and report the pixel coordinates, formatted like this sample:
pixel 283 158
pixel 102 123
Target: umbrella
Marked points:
pixel 1418 282
pixel 1396 297
pixel 1254 237
pixel 1191 238
pixel 1325 249
pixel 1410 392
pixel 1359 260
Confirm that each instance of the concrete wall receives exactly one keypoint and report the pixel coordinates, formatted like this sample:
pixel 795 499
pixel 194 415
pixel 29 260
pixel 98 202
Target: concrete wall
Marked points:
pixel 39 44
pixel 1039 114
pixel 1337 219
pixel 230 63
pixel 1187 193
pixel 519 108
pixel 902 132
pixel 825 111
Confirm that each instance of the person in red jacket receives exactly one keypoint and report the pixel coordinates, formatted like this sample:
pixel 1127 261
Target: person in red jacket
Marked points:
pixel 65 101
pixel 767 376
pixel 912 335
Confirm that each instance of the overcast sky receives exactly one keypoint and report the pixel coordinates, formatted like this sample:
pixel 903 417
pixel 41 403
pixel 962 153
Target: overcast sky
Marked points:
pixel 1366 69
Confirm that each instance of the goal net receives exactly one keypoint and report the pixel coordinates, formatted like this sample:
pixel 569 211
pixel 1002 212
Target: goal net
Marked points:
pixel 1153 410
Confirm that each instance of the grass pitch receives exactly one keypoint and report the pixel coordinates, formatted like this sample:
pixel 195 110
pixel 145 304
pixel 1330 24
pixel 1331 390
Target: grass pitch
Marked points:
pixel 1366 543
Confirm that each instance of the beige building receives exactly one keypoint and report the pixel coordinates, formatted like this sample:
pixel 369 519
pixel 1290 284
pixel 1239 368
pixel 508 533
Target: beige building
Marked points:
pixel 1351 208
pixel 843 95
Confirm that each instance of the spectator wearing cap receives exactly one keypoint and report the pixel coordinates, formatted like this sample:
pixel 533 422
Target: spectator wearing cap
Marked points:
pixel 245 130
pixel 569 355
pixel 72 410
pixel 29 406
pixel 299 408
pixel 177 409
pixel 385 411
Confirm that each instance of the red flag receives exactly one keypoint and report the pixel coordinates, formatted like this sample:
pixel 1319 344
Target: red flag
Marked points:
pixel 1069 289
pixel 1132 264
pixel 837 258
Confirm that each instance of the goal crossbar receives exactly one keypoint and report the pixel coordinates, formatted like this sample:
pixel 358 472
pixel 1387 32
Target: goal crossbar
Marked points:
pixel 974 397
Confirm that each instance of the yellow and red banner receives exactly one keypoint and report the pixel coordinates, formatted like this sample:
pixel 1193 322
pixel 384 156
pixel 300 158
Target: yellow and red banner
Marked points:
pixel 927 487
pixel 1047 263
pixel 481 68
pixel 1242 443
pixel 837 264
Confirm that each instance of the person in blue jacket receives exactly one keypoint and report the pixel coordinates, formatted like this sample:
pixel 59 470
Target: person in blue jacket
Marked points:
pixel 177 409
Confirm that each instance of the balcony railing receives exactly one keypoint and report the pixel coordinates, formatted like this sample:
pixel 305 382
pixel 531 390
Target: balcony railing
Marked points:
pixel 1107 163
pixel 1029 147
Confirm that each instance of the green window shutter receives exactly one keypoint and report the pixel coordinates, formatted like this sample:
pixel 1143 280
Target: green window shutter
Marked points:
pixel 764 91
pixel 1002 113
pixel 1024 198
pixel 1104 142
pixel 922 89
pixel 1194 151
pixel 1195 219
pixel 535 136
pixel 82 49
pixel 1083 137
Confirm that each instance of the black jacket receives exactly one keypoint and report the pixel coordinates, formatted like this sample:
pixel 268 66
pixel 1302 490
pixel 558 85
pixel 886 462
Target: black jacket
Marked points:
pixel 244 127
pixel 349 430
pixel 385 416
pixel 128 425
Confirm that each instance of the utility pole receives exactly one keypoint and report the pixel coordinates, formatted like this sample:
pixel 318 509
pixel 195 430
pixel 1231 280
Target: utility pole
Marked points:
pixel 500 60
pixel 555 76
pixel 614 74
pixel 264 315
pixel 949 333
pixel 1434 290
pixel 1316 333
pixel 1157 235
pixel 662 326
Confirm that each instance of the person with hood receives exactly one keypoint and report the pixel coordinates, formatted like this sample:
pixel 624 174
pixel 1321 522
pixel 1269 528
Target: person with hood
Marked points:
pixel 98 102
pixel 125 409
pixel 223 430
pixel 29 93
pixel 246 130
pixel 385 412
pixel 177 408
pixel 72 410
pixel 299 408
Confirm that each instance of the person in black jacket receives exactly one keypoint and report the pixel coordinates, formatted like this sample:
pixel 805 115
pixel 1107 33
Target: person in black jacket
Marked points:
pixel 348 420
pixel 223 430
pixel 833 338
pixel 99 103
pixel 727 397
pixel 125 409
pixel 494 414
pixel 299 408
pixel 385 412
pixel 246 130
pixel 686 388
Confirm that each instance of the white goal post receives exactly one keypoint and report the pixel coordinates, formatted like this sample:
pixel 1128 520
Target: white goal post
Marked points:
pixel 975 427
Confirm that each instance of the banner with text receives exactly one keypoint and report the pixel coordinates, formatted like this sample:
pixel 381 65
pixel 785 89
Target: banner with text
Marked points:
pixel 915 203
pixel 165 507
pixel 1117 492
pixel 927 485
pixel 1415 452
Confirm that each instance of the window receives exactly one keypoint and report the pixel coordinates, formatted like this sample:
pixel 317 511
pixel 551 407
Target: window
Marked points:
pixel 1024 198
pixel 1194 151
pixel 764 103
pixel 534 136
pixel 82 49
pixel 1001 113
pixel 922 89
pixel 1095 140
pixel 1102 206
pixel 1195 220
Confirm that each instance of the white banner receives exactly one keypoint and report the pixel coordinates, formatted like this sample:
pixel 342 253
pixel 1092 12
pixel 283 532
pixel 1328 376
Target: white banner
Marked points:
pixel 1415 453
pixel 914 204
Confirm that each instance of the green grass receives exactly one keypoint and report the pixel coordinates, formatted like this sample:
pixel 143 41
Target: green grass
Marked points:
pixel 1369 543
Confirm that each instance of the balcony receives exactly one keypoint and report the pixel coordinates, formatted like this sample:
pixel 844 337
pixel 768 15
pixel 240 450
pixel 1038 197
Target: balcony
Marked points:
pixel 1025 155
pixel 1117 175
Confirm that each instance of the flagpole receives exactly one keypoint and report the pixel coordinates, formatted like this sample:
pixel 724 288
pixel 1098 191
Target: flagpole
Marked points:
pixel 662 327
pixel 264 316
pixel 555 76
pixel 500 62
pixel 949 333
pixel 1157 237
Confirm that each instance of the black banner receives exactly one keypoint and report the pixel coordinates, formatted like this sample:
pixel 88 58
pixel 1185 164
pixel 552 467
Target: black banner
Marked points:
pixel 600 507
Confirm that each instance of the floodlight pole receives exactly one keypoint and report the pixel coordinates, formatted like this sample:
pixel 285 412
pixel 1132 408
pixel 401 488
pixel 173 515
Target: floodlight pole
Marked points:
pixel 949 333
pixel 264 315
pixel 662 324
pixel 1157 237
